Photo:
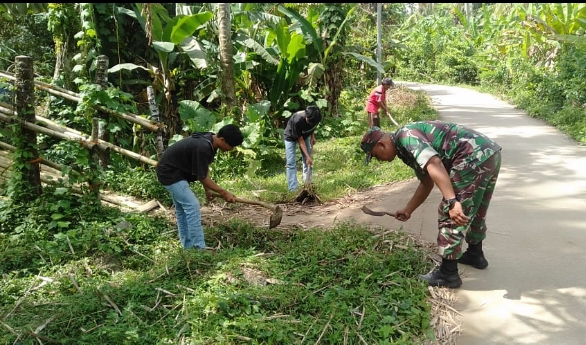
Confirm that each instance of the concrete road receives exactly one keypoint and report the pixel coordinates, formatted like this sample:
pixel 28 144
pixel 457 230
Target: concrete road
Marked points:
pixel 534 289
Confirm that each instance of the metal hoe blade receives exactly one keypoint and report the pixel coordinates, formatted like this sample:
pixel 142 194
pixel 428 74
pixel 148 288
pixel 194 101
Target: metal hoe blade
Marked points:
pixel 368 211
pixel 276 217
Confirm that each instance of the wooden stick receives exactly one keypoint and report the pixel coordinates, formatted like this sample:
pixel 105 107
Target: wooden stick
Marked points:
pixel 42 326
pixel 8 328
pixel 361 338
pixel 40 337
pixel 111 303
pixel 70 246
pixel 362 316
pixel 91 329
pixel 72 278
pixel 324 330
pixel 136 252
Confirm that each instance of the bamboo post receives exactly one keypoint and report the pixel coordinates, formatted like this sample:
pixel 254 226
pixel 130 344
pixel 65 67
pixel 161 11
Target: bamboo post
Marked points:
pixel 25 109
pixel 93 180
pixel 103 134
pixel 156 118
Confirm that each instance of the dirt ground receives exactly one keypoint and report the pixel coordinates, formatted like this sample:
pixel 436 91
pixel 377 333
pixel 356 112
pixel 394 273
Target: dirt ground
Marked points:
pixel 325 215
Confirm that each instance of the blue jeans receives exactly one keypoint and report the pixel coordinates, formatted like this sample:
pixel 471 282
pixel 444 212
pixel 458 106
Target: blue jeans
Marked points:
pixel 290 150
pixel 188 215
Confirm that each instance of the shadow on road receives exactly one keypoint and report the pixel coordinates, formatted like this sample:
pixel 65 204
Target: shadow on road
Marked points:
pixel 534 290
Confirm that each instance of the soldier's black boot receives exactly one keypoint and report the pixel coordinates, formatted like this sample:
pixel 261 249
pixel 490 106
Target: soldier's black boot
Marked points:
pixel 444 276
pixel 474 256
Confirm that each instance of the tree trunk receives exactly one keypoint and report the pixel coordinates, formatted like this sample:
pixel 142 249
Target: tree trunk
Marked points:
pixel 334 80
pixel 334 67
pixel 28 161
pixel 226 55
pixel 155 117
pixel 103 133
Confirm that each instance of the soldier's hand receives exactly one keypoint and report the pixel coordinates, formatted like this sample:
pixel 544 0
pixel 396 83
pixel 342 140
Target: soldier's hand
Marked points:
pixel 402 215
pixel 457 215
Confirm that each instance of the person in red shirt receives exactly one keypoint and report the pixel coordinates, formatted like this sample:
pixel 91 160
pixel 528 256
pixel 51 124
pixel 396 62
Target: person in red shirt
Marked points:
pixel 377 100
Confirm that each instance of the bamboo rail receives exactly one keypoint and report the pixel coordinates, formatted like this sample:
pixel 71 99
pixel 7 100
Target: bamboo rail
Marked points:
pixel 9 110
pixel 72 96
pixel 50 164
pixel 102 145
pixel 5 164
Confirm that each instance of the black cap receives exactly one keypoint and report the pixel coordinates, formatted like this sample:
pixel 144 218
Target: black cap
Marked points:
pixel 387 81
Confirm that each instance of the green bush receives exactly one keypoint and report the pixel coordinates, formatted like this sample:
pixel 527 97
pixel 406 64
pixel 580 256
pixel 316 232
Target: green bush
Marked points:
pixel 266 286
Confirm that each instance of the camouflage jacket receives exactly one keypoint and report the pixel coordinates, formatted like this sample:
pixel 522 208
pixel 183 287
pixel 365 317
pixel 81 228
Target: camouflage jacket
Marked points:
pixel 458 147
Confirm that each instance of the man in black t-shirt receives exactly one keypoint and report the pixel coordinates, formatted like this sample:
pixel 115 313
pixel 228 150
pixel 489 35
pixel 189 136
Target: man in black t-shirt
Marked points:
pixel 300 130
pixel 186 161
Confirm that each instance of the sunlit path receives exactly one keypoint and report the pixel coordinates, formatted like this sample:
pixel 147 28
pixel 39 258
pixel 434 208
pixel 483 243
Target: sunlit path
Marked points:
pixel 534 291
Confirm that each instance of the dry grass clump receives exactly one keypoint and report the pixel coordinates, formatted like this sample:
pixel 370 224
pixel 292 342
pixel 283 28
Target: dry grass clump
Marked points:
pixel 401 96
pixel 445 319
pixel 308 195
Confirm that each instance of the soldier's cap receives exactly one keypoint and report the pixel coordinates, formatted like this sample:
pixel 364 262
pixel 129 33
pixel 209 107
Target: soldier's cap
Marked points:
pixel 369 141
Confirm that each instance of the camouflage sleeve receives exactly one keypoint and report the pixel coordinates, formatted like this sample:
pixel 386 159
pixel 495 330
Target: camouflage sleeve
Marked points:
pixel 425 155
pixel 419 148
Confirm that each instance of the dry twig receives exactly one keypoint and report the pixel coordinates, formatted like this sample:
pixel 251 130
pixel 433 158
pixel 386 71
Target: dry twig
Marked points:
pixel 324 330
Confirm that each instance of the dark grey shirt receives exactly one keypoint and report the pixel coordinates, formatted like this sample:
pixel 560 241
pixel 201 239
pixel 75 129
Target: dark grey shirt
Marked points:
pixel 188 159
pixel 297 127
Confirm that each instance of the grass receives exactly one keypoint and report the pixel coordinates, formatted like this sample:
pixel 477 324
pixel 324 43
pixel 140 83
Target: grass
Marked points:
pixel 78 273
pixel 267 287
pixel 339 162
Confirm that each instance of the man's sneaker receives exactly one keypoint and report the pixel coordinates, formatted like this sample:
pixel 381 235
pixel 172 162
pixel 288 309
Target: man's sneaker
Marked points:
pixel 475 260
pixel 440 279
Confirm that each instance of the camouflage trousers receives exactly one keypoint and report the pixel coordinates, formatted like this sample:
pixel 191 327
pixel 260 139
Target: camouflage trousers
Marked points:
pixel 474 189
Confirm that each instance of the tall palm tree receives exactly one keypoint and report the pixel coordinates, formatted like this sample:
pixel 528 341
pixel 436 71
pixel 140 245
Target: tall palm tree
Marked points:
pixel 226 54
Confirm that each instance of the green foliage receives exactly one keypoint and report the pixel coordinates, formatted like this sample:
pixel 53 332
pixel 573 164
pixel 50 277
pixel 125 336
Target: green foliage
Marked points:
pixel 87 41
pixel 438 51
pixel 570 79
pixel 195 117
pixel 139 182
pixel 26 34
pixel 458 66
pixel 141 289
pixel 530 54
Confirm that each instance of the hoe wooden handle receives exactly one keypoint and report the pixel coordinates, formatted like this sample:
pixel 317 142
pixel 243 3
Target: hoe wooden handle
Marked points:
pixel 252 202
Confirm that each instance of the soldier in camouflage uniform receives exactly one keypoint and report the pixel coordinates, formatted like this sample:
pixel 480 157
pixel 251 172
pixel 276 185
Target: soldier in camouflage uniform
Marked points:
pixel 464 164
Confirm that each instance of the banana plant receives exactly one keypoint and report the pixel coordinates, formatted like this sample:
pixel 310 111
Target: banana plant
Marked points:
pixel 324 52
pixel 21 9
pixel 170 37
pixel 560 22
pixel 276 49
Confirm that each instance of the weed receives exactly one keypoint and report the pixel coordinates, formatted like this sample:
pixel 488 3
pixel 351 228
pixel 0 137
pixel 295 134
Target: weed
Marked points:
pixel 264 287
